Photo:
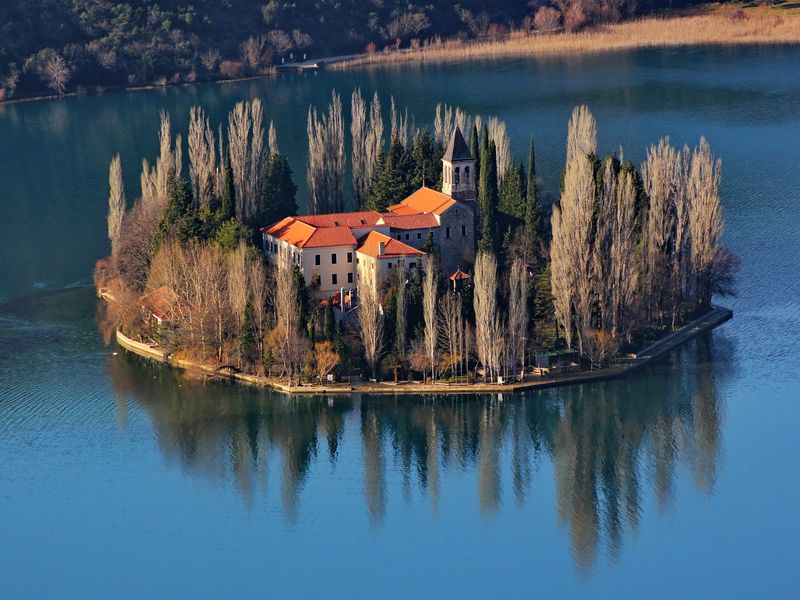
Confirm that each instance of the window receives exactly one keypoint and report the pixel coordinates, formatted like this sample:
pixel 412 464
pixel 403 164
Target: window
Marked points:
pixel 333 258
pixel 407 236
pixel 358 261
pixel 349 257
pixel 447 232
pixel 317 260
pixel 457 176
pixel 363 222
pixel 466 174
pixel 463 231
pixel 411 265
pixel 419 235
pixel 333 279
pixel 349 278
pixel 398 236
pixel 390 266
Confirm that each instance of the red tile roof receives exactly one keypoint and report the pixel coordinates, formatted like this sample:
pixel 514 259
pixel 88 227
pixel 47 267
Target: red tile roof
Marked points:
pixel 365 218
pixel 459 274
pixel 412 221
pixel 161 302
pixel 330 236
pixel 424 200
pixel 392 247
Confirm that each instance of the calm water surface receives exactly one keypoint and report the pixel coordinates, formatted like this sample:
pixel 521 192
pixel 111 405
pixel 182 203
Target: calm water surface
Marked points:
pixel 121 479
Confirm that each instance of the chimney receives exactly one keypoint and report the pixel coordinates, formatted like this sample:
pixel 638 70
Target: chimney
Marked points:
pixel 381 248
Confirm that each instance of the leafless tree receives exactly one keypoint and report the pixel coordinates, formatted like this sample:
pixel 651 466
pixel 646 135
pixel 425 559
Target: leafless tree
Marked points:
pixel 374 142
pixel 116 200
pixel 280 41
pixel 358 134
pixel 57 73
pixel 547 19
pixel 407 24
pixel 210 59
pixel 399 124
pixel 136 243
pixel 202 156
pixel 429 300
pixel 705 220
pixel 170 158
pixel 498 133
pixel 254 53
pixel 624 272
pixel 272 138
pixel 291 344
pixel 451 331
pixel 517 323
pixel 487 319
pixel 326 158
pixel 246 148
pixel 478 24
pixel 571 250
pixel 370 321
pixel 581 134
pixel 661 175
pixel 443 124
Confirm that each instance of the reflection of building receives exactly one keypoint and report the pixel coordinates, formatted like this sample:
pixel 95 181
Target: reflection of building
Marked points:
pixel 337 251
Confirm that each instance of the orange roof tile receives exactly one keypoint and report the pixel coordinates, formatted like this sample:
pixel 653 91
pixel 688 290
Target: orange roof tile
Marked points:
pixel 160 302
pixel 392 247
pixel 330 236
pixel 410 221
pixel 424 200
pixel 291 230
pixel 365 218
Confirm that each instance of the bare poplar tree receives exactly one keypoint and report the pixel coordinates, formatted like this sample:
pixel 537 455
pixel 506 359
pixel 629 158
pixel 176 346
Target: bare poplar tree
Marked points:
pixel 498 133
pixel 603 241
pixel 358 134
pixel 517 314
pixel 399 123
pixel 370 321
pixel 238 284
pixel 661 175
pixel 116 201
pixel 202 156
pixel 487 321
pixel 705 220
pixel 259 293
pixel 287 316
pixel 581 133
pixel 624 272
pixel 451 331
pixel 246 151
pixel 374 141
pixel 154 180
pixel 273 139
pixel 325 171
pixel 561 275
pixel 429 301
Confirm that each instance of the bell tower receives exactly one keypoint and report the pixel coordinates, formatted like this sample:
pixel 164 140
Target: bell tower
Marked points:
pixel 458 171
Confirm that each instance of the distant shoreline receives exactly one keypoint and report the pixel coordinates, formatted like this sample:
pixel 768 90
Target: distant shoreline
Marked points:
pixel 718 26
pixel 717 316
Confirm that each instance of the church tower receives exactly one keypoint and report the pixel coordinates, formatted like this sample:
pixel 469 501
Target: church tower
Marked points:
pixel 458 171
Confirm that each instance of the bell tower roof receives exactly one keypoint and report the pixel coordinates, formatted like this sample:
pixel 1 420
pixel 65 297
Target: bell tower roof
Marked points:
pixel 457 149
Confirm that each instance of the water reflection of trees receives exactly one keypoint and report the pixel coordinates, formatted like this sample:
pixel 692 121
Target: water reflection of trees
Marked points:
pixel 608 443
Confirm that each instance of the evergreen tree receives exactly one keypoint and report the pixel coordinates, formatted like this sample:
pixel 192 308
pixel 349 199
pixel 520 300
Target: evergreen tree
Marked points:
pixel 227 203
pixel 427 163
pixel 181 218
pixel 329 322
pixel 394 178
pixel 475 151
pixel 278 194
pixel 488 199
pixel 248 342
pixel 512 192
pixel 533 208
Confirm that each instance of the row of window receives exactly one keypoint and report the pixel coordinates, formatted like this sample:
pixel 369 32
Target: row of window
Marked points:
pixel 334 279
pixel 318 258
pixel 399 236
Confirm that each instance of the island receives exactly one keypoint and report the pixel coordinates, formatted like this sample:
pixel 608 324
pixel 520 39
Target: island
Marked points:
pixel 453 274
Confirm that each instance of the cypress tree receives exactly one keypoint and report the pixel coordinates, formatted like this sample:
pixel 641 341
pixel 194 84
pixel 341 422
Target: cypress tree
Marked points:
pixel 475 151
pixel 248 346
pixel 394 179
pixel 533 208
pixel 277 198
pixel 512 192
pixel 488 192
pixel 227 208
pixel 427 166
pixel 181 218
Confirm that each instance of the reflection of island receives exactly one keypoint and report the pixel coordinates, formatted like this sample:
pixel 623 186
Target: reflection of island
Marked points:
pixel 607 442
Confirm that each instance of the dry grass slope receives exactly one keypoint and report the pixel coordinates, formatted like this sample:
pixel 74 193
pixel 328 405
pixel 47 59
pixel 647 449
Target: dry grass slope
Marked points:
pixel 717 26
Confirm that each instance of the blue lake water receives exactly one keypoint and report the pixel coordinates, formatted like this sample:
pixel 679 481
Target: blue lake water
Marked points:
pixel 123 479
